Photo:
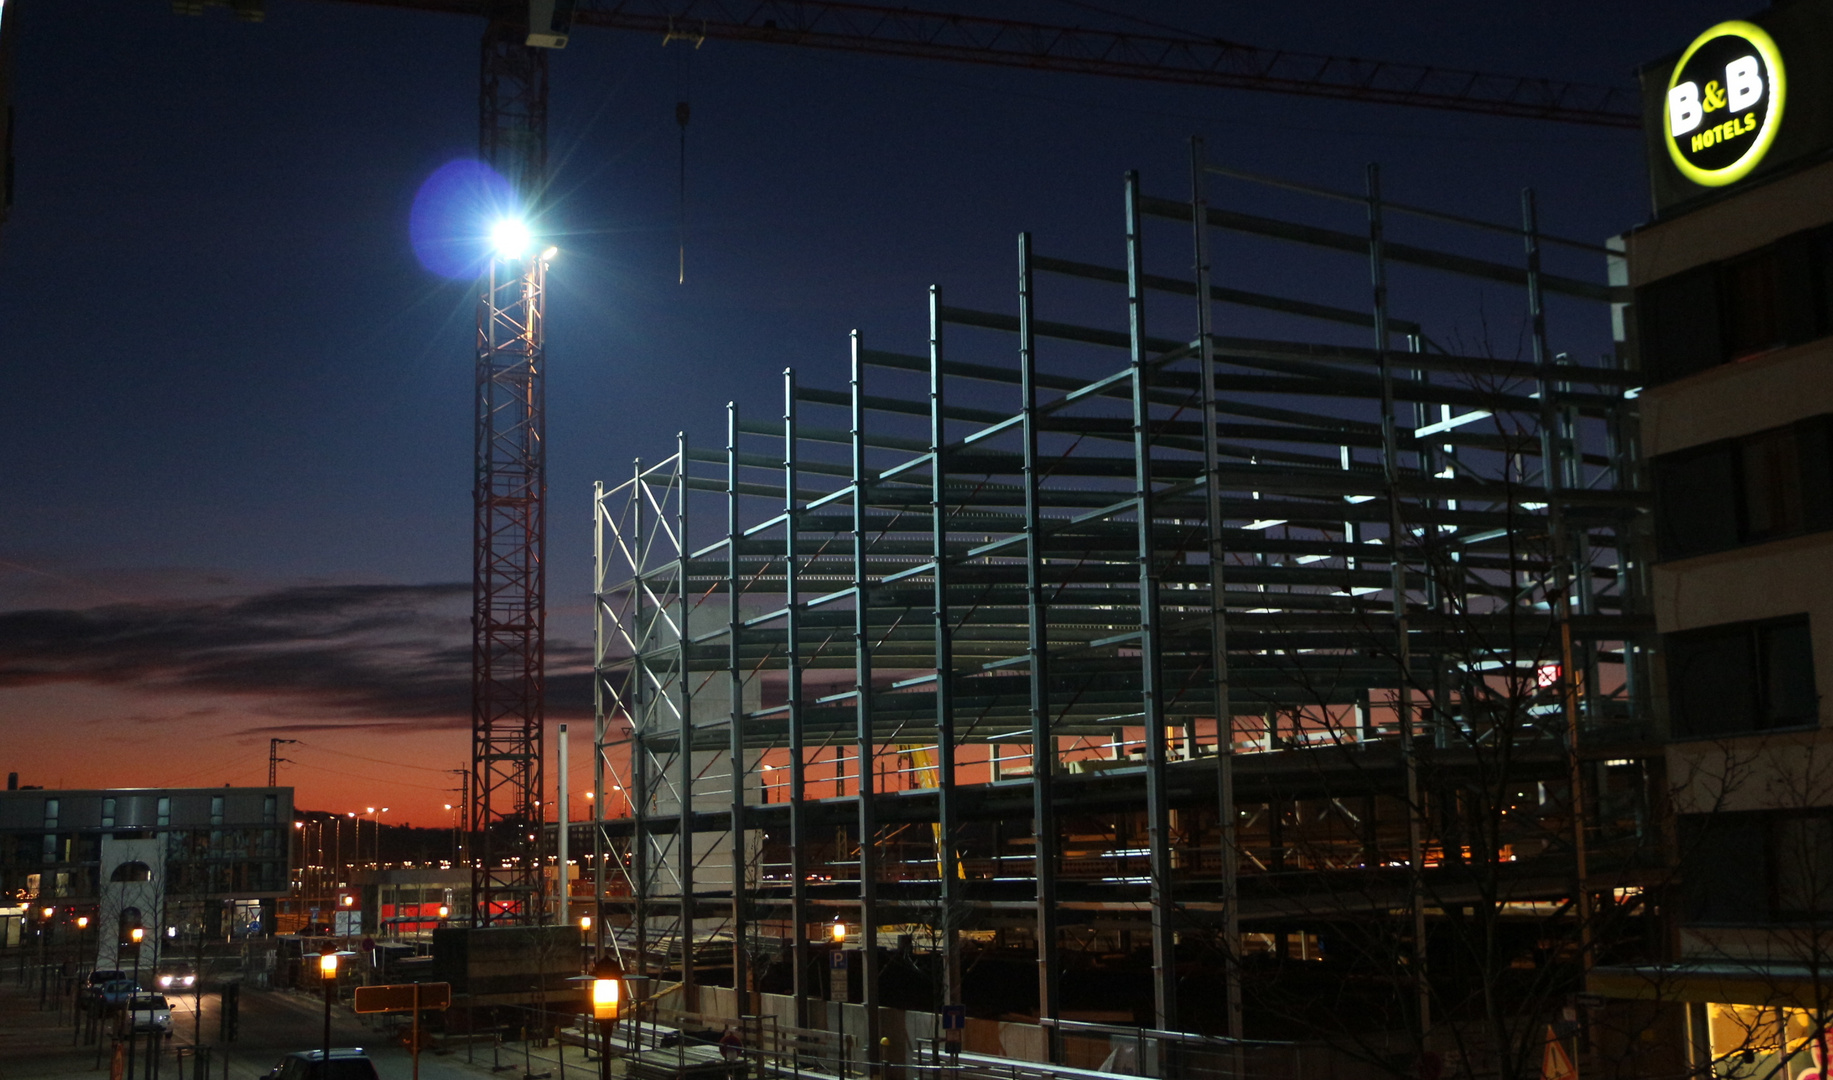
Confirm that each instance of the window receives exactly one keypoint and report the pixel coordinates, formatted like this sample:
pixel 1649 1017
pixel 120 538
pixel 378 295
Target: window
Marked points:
pixel 1723 312
pixel 270 809
pixel 165 810
pixel 1769 485
pixel 216 809
pixel 1723 857
pixel 1749 287
pixel 108 813
pixel 1741 677
pixel 1801 862
pixel 1748 490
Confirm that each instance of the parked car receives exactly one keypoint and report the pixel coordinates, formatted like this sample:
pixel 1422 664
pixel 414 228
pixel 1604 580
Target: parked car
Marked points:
pixel 91 991
pixel 149 1012
pixel 176 977
pixel 345 1064
pixel 118 993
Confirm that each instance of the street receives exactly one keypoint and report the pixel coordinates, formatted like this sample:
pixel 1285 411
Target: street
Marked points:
pixel 36 1044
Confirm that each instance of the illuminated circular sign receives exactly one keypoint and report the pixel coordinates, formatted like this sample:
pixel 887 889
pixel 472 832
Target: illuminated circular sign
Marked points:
pixel 1724 103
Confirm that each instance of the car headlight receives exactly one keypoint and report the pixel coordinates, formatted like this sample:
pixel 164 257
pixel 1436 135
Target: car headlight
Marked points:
pixel 165 980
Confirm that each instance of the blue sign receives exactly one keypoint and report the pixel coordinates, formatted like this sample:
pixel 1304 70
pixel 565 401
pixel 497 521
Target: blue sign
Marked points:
pixel 954 1018
pixel 837 960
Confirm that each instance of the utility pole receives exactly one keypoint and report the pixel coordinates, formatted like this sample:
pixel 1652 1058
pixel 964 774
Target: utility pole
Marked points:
pixel 274 759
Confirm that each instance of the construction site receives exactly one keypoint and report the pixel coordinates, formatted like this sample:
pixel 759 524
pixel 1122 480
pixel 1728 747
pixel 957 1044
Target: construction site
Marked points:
pixel 912 685
pixel 1247 647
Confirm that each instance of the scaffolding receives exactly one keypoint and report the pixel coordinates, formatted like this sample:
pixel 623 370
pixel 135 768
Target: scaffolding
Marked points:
pixel 937 657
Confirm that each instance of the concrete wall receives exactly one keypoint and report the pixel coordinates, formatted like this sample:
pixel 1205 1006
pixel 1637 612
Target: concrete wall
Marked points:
pixel 1758 216
pixel 1752 395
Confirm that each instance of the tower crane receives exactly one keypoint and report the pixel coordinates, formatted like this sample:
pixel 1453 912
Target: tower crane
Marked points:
pixel 509 607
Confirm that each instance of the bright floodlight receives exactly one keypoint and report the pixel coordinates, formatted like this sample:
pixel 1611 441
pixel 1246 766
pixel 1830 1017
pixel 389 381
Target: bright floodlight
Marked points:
pixel 510 238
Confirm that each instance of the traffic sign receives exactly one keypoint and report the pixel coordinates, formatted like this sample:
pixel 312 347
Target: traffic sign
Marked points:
pixel 1555 1063
pixel 837 960
pixel 406 997
pixel 954 1017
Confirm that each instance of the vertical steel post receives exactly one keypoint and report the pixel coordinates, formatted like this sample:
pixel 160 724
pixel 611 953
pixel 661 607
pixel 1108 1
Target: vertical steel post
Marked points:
pixel 563 793
pixel 862 681
pixel 1037 652
pixel 1390 466
pixel 639 728
pixel 798 766
pixel 948 864
pixel 1551 475
pixel 684 761
pixel 601 723
pixel 1218 619
pixel 1152 701
pixel 735 676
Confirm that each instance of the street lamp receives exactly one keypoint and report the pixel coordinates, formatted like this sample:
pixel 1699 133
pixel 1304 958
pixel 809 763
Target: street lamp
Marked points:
pixel 839 932
pixel 327 970
pixel 607 990
pixel 137 935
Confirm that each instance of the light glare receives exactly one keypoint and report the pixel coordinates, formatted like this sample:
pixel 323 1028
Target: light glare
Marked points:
pixel 510 238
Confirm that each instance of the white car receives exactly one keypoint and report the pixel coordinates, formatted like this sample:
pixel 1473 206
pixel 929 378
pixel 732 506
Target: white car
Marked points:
pixel 149 1012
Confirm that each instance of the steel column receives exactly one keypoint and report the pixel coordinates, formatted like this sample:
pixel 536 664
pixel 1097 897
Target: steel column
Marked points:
pixel 735 675
pixel 1152 699
pixel 1390 465
pixel 948 864
pixel 798 771
pixel 684 762
pixel 1037 653
pixel 1227 816
pixel 862 684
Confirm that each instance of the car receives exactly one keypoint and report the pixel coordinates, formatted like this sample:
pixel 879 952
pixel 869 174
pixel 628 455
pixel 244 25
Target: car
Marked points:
pixel 91 991
pixel 176 977
pixel 345 1064
pixel 115 994
pixel 149 1012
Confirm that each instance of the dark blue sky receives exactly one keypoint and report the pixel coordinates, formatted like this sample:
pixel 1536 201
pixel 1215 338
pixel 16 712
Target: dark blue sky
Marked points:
pixel 228 377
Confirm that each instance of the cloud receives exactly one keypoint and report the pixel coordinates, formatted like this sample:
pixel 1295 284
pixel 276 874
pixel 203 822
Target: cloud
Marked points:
pixel 311 658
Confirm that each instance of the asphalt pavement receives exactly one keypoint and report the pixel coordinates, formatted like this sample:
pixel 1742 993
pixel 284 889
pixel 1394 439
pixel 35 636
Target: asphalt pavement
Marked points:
pixel 45 1043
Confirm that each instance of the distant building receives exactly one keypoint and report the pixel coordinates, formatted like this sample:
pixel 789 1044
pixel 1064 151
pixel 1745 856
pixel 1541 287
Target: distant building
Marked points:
pixel 179 863
pixel 1733 323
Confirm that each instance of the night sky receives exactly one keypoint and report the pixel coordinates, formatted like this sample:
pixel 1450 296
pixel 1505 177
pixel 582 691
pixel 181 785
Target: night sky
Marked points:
pixel 236 428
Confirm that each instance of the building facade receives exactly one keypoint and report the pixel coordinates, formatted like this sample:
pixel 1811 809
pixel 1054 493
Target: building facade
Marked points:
pixel 1732 321
pixel 180 864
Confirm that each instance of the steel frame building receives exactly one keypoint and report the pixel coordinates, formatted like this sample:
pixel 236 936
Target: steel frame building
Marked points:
pixel 941 653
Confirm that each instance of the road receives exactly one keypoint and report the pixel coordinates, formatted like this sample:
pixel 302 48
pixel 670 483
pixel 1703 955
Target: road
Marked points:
pixel 36 1044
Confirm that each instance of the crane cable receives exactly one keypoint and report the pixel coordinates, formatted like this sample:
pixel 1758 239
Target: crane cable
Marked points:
pixel 683 110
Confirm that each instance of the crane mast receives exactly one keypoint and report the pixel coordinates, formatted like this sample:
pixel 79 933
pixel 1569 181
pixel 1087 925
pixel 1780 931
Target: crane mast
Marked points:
pixel 509 578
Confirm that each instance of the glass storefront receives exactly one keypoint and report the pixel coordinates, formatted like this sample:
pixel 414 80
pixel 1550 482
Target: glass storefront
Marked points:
pixel 1759 1042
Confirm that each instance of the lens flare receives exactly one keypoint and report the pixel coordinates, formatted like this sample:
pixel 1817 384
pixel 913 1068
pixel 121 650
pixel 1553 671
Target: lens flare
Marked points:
pixel 454 211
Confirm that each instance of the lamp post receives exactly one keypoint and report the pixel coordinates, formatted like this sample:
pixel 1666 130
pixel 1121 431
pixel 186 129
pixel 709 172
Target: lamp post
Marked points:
pixel 44 945
pixel 327 969
pixel 137 935
pixel 607 990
